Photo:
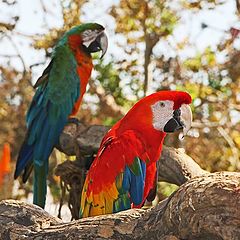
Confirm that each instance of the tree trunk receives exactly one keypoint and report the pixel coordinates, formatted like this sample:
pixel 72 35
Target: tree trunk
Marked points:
pixel 204 208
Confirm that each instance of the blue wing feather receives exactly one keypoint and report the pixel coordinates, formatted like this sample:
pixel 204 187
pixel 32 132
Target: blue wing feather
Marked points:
pixel 26 155
pixel 137 183
pixel 126 179
pixel 132 185
pixel 132 188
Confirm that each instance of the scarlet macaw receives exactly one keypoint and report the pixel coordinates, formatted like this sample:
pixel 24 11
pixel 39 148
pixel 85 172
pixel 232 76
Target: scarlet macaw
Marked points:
pixel 124 172
pixel 59 93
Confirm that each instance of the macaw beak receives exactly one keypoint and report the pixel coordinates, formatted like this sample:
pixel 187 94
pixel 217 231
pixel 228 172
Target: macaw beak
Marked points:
pixel 182 119
pixel 103 43
pixel 99 44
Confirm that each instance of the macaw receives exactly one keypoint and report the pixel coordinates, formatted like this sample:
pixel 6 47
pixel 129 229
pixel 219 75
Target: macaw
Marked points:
pixel 58 97
pixel 124 172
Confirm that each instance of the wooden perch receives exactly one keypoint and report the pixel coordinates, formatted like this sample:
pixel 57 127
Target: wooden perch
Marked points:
pixel 176 167
pixel 204 208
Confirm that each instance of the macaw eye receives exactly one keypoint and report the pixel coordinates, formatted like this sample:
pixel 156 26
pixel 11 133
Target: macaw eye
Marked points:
pixel 162 104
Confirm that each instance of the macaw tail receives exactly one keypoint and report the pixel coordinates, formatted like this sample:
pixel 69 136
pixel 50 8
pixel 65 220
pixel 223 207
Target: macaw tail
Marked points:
pixel 24 161
pixel 40 184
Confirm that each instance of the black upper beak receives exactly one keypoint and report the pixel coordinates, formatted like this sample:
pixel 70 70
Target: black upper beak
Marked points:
pixel 174 123
pixel 99 44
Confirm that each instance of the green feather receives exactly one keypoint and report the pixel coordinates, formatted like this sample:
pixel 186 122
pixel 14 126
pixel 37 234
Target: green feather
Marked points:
pixel 61 91
pixel 40 184
pixel 118 182
pixel 57 91
pixel 135 167
pixel 79 29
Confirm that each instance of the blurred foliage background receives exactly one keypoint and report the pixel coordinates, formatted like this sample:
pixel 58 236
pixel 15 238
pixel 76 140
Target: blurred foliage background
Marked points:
pixel 147 54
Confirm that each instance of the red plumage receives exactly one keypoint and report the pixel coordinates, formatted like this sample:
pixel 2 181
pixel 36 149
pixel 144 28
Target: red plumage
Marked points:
pixel 124 170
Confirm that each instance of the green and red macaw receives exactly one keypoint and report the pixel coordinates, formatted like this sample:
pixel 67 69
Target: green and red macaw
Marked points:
pixel 124 172
pixel 59 94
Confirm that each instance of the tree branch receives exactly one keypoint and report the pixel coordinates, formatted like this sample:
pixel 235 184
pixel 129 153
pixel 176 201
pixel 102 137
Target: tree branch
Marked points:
pixel 176 167
pixel 108 104
pixel 203 208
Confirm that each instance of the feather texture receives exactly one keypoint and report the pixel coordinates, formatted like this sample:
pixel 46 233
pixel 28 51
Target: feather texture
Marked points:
pixel 112 186
pixel 124 172
pixel 58 96
pixel 46 118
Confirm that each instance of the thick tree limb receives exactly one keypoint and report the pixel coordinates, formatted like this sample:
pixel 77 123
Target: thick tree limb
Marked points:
pixel 206 207
pixel 175 166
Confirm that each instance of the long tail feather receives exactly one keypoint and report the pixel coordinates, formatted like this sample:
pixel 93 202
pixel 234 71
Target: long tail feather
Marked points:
pixel 40 184
pixel 25 158
pixel 27 171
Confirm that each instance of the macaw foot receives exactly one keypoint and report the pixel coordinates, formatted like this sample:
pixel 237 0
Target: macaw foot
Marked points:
pixel 73 120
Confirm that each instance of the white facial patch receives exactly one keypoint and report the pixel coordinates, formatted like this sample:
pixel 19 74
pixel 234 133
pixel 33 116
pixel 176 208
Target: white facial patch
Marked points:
pixel 162 113
pixel 88 36
pixel 186 117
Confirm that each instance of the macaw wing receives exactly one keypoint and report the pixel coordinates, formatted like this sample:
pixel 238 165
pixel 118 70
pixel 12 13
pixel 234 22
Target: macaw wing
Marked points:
pixel 116 178
pixel 57 91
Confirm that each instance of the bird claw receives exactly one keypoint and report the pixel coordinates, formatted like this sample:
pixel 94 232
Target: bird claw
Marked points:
pixel 74 121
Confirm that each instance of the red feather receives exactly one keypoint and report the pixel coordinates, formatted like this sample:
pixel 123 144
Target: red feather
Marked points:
pixel 84 67
pixel 133 136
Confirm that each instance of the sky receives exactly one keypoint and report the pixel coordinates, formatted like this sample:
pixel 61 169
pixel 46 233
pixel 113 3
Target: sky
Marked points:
pixel 33 21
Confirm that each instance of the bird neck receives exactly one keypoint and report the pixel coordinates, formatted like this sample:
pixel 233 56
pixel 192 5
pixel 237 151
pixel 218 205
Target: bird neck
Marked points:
pixel 74 41
pixel 84 67
pixel 153 141
pixel 151 138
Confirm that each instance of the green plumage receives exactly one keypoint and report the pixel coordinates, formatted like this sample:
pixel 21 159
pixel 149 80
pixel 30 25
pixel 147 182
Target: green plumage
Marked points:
pixel 135 167
pixel 40 186
pixel 46 119
pixel 58 89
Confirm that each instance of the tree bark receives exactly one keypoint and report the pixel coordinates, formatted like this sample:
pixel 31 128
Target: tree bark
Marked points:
pixel 204 208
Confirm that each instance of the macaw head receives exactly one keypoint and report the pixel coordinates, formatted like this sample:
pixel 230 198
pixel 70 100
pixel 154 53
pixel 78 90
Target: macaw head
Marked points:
pixel 171 111
pixel 164 111
pixel 90 36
